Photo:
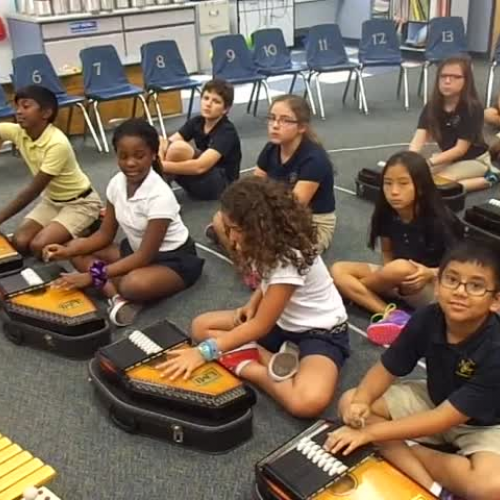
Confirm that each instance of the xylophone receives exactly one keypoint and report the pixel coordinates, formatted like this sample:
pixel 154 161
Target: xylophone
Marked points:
pixel 212 391
pixel 369 182
pixel 19 471
pixel 10 260
pixel 303 470
pixel 66 321
pixel 211 412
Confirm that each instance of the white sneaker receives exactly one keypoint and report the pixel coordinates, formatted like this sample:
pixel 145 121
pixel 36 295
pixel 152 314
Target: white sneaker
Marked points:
pixel 122 312
pixel 285 363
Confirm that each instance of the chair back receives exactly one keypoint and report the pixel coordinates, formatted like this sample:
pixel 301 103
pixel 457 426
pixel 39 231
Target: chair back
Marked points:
pixel 325 47
pixel 379 43
pixel 102 69
pixel 35 69
pixel 270 50
pixel 162 64
pixel 232 58
pixel 446 38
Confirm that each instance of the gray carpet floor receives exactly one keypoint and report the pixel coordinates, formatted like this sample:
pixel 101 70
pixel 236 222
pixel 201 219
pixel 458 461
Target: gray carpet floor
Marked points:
pixel 46 402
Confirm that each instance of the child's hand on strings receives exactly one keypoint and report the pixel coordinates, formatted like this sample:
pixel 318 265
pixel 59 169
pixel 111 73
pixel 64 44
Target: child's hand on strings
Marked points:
pixel 182 362
pixel 70 281
pixel 347 439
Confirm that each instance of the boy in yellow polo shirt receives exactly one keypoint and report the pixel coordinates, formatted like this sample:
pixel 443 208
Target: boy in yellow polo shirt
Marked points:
pixel 68 204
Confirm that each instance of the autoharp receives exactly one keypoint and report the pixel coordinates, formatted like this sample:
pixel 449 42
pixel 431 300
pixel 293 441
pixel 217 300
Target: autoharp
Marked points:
pixel 303 470
pixel 10 260
pixel 211 391
pixel 19 470
pixel 28 299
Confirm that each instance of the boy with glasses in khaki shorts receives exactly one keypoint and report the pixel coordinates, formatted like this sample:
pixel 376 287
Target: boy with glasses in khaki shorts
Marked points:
pixel 69 204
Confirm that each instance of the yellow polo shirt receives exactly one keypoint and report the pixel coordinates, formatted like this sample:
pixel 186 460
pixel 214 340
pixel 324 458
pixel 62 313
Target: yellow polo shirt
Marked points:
pixel 51 154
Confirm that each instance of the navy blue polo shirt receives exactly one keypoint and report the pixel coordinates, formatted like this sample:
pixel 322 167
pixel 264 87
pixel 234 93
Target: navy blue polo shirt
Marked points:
pixel 223 138
pixel 466 374
pixel 419 240
pixel 310 162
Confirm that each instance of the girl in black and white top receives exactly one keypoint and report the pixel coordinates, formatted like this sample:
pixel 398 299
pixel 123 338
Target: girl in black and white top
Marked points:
pixel 157 258
pixel 454 118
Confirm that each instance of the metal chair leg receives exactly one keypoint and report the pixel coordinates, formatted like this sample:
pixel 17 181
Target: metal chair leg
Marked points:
pixel 268 93
pixel 320 97
pixel 362 93
pixel 250 100
pixel 191 101
pixel 309 94
pixel 88 123
pixel 159 114
pixel 292 85
pixel 489 88
pixel 146 108
pixel 347 85
pixel 400 81
pixel 426 82
pixel 134 107
pixel 256 103
pixel 70 116
pixel 98 118
pixel 406 88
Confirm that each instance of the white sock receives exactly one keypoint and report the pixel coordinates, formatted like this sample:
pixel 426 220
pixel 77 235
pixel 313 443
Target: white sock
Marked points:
pixel 436 489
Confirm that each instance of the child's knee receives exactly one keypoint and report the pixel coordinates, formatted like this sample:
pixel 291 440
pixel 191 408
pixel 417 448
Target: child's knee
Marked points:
pixel 484 488
pixel 339 272
pixel 132 287
pixel 491 115
pixel 307 404
pixel 179 151
pixel 400 268
pixel 21 242
pixel 38 243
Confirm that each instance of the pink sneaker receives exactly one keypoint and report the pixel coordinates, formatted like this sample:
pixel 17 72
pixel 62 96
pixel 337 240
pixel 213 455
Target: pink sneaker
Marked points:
pixel 240 357
pixel 386 327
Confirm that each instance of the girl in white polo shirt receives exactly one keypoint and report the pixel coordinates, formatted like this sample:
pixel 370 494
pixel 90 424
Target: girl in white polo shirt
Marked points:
pixel 296 315
pixel 157 257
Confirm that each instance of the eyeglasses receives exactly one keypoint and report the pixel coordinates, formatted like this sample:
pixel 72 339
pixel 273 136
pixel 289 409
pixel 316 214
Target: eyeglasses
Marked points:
pixel 281 120
pixel 473 288
pixel 445 76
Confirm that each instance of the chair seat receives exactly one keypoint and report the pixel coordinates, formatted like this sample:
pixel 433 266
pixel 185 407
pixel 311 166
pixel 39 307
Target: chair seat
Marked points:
pixel 244 79
pixel 68 100
pixel 334 67
pixel 115 93
pixel 284 70
pixel 186 83
pixel 380 62
pixel 6 112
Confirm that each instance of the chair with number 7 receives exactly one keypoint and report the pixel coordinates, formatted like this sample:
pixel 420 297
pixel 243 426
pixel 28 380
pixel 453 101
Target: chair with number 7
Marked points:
pixel 104 79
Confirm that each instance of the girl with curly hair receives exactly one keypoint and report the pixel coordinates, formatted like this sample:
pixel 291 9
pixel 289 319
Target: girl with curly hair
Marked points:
pixel 296 315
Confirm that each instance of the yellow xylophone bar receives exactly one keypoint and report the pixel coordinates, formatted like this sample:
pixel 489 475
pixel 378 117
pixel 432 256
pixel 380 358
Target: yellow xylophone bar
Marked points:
pixel 19 470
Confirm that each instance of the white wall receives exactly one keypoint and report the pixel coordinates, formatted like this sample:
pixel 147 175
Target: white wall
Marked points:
pixel 6 6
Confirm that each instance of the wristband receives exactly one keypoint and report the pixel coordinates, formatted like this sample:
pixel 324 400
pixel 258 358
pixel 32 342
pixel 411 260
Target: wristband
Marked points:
pixel 209 350
pixel 98 274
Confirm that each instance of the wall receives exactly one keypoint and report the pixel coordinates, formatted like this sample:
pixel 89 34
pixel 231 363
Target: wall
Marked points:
pixel 311 12
pixel 6 6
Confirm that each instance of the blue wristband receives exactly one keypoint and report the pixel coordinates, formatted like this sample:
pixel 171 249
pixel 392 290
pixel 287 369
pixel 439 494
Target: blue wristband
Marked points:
pixel 209 350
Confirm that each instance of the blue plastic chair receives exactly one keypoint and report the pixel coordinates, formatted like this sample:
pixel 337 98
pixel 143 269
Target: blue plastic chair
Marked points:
pixel 164 70
pixel 272 58
pixel 232 61
pixel 6 110
pixel 325 53
pixel 446 39
pixel 37 69
pixel 104 79
pixel 379 46
pixel 491 74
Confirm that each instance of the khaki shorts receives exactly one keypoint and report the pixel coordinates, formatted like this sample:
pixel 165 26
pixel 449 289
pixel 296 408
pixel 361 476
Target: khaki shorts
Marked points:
pixel 410 397
pixel 325 227
pixel 422 298
pixel 466 169
pixel 75 216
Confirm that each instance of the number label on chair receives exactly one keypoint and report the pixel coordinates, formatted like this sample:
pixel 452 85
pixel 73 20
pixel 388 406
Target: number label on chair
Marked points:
pixel 323 44
pixel 97 66
pixel 270 50
pixel 379 39
pixel 36 77
pixel 231 55
pixel 160 61
pixel 447 37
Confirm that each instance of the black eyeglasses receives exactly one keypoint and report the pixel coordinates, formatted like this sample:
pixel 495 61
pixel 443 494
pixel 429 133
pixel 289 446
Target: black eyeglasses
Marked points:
pixel 281 120
pixel 473 288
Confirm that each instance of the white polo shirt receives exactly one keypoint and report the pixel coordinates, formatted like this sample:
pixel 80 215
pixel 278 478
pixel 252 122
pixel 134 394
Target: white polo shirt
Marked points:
pixel 153 200
pixel 315 303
